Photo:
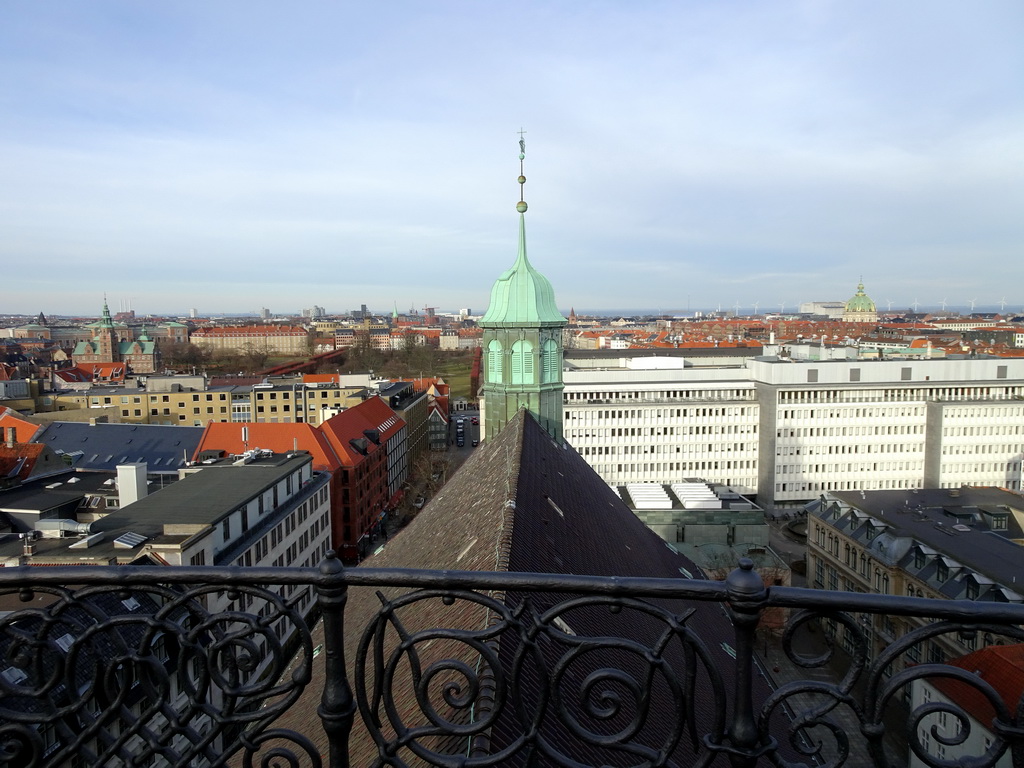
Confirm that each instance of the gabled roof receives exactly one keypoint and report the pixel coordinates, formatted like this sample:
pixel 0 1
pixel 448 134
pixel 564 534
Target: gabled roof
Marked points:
pixel 523 502
pixel 101 447
pixel 106 371
pixel 19 460
pixel 24 430
pixel 1001 666
pixel 436 411
pixel 353 423
pixel 76 374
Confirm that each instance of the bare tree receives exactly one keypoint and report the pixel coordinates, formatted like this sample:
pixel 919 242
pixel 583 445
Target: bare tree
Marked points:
pixel 255 354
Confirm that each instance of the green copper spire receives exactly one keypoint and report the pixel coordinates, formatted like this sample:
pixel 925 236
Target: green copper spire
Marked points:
pixel 522 295
pixel 106 321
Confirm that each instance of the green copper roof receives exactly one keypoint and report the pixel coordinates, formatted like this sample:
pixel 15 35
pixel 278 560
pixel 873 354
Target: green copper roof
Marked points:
pixel 106 321
pixel 860 302
pixel 522 295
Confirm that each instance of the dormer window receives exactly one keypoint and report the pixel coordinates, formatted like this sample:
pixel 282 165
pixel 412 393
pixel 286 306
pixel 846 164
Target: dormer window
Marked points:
pixel 919 559
pixel 972 589
pixel 999 522
pixel 942 571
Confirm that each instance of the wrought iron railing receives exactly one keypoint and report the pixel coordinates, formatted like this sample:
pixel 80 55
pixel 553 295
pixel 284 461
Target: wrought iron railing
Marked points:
pixel 218 666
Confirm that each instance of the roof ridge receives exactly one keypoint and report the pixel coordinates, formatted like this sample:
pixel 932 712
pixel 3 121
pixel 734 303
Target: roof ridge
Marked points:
pixel 513 454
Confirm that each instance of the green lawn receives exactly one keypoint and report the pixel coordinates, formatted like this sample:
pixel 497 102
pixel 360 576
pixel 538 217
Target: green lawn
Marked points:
pixel 455 373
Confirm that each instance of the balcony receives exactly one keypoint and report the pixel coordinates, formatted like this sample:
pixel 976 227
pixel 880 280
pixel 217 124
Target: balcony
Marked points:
pixel 217 666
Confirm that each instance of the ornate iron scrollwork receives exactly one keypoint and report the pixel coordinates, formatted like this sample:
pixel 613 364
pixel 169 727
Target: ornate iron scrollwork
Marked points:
pixel 140 674
pixel 529 683
pixel 190 666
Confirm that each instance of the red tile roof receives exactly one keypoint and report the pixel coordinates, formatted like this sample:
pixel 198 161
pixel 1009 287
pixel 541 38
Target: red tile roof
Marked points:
pixel 24 430
pixel 350 424
pixel 320 378
pixel 1001 666
pixel 19 460
pixel 281 438
pixel 75 374
pixel 106 371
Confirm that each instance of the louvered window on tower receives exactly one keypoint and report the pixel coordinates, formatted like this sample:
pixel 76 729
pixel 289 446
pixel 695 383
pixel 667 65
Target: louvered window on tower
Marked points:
pixel 522 363
pixel 549 362
pixel 494 361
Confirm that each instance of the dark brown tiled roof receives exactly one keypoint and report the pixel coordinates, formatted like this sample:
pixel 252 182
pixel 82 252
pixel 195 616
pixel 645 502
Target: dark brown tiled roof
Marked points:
pixel 465 528
pixel 524 503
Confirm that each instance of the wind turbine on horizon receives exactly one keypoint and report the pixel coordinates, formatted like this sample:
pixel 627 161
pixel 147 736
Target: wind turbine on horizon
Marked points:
pixel 943 303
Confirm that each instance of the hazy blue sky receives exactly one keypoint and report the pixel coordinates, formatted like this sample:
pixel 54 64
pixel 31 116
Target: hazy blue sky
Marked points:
pixel 234 155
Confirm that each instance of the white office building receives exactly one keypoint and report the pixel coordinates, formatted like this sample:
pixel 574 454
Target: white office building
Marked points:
pixel 789 430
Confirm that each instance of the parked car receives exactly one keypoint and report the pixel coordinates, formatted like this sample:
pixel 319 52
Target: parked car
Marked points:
pixel 475 442
pixel 475 420
pixel 420 501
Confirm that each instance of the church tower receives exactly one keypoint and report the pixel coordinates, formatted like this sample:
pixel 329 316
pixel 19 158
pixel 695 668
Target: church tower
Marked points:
pixel 522 342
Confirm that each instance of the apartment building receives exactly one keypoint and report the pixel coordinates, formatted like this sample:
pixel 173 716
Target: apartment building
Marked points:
pixel 363 449
pixel 193 404
pixel 790 429
pixel 273 339
pixel 258 509
pixel 956 543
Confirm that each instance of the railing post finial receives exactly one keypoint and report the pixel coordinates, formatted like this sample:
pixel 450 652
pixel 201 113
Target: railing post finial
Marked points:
pixel 747 596
pixel 337 706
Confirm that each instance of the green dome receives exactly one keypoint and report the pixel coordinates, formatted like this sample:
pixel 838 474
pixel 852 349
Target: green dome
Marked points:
pixel 861 302
pixel 522 296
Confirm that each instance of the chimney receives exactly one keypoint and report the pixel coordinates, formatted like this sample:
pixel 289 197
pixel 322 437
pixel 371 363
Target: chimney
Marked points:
pixel 12 436
pixel 30 543
pixel 131 483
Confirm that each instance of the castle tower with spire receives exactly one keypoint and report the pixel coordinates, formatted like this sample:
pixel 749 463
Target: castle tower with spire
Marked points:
pixel 108 347
pixel 106 338
pixel 522 342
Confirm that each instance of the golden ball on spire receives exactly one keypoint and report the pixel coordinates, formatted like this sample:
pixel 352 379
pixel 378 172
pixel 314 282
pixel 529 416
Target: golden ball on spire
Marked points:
pixel 522 179
pixel 521 206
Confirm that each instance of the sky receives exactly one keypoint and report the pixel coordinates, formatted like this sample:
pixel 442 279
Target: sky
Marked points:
pixel 231 156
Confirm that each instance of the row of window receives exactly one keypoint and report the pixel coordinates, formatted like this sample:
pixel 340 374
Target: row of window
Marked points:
pixel 649 432
pixel 852 466
pixel 863 431
pixel 907 394
pixel 657 396
pixel 804 490
pixel 880 412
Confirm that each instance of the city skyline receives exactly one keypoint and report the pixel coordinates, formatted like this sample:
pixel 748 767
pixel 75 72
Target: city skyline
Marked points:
pixel 234 156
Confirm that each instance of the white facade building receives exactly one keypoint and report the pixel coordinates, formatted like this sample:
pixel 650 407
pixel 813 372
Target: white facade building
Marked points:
pixel 790 430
